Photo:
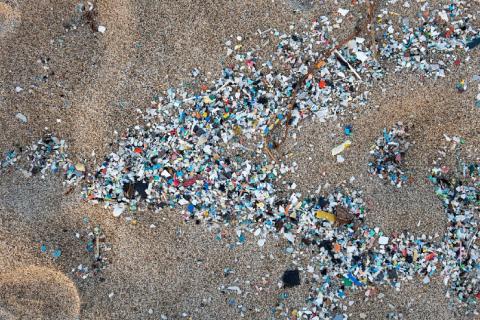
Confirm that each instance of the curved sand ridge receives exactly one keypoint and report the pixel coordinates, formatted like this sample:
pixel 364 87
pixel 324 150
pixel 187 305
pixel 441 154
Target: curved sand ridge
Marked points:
pixel 38 293
pixel 9 19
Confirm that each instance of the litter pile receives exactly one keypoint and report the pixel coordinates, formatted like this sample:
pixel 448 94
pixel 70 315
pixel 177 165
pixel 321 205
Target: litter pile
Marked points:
pixel 363 258
pixel 388 155
pixel 192 152
pixel 181 155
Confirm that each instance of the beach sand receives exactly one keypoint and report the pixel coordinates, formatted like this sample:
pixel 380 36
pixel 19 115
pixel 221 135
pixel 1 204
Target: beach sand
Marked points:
pixel 84 85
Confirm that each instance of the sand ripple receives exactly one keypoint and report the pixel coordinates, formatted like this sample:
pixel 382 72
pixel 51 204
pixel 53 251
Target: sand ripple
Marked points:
pixel 38 293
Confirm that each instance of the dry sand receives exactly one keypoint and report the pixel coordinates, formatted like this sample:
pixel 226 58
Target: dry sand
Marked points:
pixel 94 82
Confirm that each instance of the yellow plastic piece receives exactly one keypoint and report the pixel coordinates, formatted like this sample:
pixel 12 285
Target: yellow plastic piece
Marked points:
pixel 237 130
pixel 340 148
pixel 325 216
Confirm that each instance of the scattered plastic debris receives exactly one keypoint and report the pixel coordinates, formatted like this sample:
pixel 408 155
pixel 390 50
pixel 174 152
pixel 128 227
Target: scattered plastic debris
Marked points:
pixel 388 155
pixel 326 216
pixel 191 152
pixel 50 249
pixel 57 253
pixel 347 130
pixel 343 12
pixel 85 13
pixel 93 240
pixel 48 155
pixel 206 152
pixel 477 98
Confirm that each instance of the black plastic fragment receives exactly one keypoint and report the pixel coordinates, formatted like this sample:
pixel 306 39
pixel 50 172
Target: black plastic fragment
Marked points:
pixel 291 278
pixel 472 44
pixel 141 188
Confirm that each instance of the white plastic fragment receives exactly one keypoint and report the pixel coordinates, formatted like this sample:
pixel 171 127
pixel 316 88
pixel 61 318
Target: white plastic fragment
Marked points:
pixel 340 148
pixel 261 242
pixel 21 117
pixel 118 210
pixel 383 240
pixel 362 56
pixel 165 174
pixel 343 12
pixel 443 15
pixel 235 288
pixel 290 237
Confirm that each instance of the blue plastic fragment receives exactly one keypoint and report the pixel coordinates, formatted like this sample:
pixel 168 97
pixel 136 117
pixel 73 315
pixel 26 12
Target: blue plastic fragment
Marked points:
pixel 57 253
pixel 348 130
pixel 352 278
pixel 241 239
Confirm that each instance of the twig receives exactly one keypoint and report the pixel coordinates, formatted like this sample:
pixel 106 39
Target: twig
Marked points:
pixel 97 244
pixel 267 150
pixel 339 55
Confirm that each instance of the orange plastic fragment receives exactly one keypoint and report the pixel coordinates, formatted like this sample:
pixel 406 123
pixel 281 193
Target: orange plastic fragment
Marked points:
pixel 320 64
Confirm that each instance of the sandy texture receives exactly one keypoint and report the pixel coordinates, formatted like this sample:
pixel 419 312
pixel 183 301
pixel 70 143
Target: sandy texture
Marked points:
pixel 92 83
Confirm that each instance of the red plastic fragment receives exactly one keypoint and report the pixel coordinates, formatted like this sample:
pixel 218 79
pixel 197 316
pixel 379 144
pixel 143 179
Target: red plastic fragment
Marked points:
pixel 430 256
pixel 190 182
pixel 176 182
